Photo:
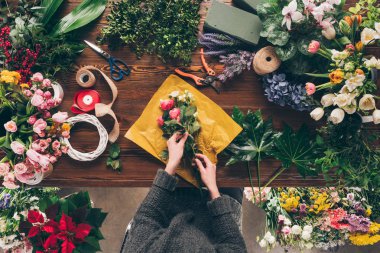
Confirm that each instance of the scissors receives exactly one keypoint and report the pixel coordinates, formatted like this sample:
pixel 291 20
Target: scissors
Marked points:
pixel 118 67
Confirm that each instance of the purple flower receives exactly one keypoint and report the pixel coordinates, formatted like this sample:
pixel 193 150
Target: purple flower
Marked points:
pixel 235 64
pixel 357 223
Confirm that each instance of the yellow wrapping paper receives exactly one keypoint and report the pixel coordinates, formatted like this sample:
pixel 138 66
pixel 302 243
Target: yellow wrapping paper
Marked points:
pixel 217 128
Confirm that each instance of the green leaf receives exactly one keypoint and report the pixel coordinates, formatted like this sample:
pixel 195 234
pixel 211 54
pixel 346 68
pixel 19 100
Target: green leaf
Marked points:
pixel 93 242
pixel 50 7
pixel 279 38
pixel 254 142
pixel 303 46
pixel 83 14
pixel 287 52
pixel 355 9
pixel 296 149
pixel 269 25
pixel 114 150
pixel 267 7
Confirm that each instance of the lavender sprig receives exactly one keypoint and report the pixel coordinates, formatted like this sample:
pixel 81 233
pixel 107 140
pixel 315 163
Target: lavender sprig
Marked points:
pixel 235 64
pixel 218 44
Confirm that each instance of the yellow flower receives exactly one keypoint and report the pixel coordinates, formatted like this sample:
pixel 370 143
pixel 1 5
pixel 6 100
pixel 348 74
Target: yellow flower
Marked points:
pixel 369 238
pixel 10 77
pixel 359 46
pixel 65 127
pixel 374 228
pixel 321 202
pixel 336 76
pixel 368 212
pixel 24 85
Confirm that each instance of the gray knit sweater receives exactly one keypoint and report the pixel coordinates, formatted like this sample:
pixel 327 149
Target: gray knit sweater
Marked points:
pixel 170 223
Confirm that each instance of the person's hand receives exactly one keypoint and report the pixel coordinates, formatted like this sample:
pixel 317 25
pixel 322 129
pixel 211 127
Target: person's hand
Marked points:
pixel 208 174
pixel 176 144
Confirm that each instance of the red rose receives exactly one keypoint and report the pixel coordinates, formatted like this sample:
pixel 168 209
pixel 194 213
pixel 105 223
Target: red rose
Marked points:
pixel 174 113
pixel 167 104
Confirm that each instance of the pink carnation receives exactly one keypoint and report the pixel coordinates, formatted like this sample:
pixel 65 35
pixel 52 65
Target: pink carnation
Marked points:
pixel 17 148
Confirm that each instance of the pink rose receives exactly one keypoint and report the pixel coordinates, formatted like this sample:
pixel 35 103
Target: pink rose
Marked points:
pixel 46 114
pixel 46 83
pixel 37 100
pixel 60 117
pixel 39 126
pixel 58 153
pixel 32 119
pixel 9 181
pixel 36 157
pixel 310 88
pixel 51 102
pixel 17 147
pixel 174 113
pixel 350 47
pixel 47 94
pixel 28 93
pixel 160 121
pixel 56 145
pixel 37 77
pixel 4 169
pixel 39 92
pixel 167 104
pixel 314 46
pixel 286 230
pixel 10 126
pixel 20 168
pixel 52 159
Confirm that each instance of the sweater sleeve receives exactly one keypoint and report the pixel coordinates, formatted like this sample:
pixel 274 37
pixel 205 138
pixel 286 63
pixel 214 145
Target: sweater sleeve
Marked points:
pixel 153 214
pixel 224 226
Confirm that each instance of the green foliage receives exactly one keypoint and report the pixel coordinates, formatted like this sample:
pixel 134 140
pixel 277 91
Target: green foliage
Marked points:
pixel 113 159
pixel 165 28
pixel 84 13
pixel 296 149
pixel 49 8
pixel 370 9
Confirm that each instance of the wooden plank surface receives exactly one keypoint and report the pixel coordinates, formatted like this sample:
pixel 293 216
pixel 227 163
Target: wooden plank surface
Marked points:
pixel 148 73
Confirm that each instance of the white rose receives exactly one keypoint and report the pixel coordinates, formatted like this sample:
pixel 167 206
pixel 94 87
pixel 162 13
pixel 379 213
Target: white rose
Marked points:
pixel 372 63
pixel 308 228
pixel 368 36
pixel 296 230
pixel 376 116
pixel 267 236
pixel 174 94
pixel 306 235
pixel 317 113
pixel 342 100
pixel 263 243
pixel 327 100
pixel 377 27
pixel 336 116
pixel 367 102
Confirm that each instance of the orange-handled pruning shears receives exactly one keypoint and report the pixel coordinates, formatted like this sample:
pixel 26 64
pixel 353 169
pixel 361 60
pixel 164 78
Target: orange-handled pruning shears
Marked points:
pixel 208 80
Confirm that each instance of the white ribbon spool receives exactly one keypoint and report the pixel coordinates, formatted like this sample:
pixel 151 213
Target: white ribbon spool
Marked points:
pixel 58 91
pixel 90 156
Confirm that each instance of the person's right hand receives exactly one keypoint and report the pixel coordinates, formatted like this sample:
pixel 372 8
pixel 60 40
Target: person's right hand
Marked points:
pixel 208 174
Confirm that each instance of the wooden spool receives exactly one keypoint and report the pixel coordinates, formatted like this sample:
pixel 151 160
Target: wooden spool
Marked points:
pixel 266 61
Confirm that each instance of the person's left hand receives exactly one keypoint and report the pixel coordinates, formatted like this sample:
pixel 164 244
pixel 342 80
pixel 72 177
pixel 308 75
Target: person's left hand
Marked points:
pixel 176 145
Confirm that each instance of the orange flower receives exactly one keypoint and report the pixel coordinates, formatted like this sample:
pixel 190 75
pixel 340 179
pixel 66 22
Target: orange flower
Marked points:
pixel 348 20
pixel 336 76
pixel 65 127
pixel 359 46
pixel 359 72
pixel 351 19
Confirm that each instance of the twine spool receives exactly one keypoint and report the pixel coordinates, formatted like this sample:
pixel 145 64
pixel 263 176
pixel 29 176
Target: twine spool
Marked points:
pixel 85 78
pixel 103 140
pixel 266 61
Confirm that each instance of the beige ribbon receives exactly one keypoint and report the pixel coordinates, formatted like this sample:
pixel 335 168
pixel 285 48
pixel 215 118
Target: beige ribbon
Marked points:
pixel 100 108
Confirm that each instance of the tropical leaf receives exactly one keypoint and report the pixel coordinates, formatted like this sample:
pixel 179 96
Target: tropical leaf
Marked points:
pixel 256 139
pixel 296 149
pixel 49 8
pixel 83 14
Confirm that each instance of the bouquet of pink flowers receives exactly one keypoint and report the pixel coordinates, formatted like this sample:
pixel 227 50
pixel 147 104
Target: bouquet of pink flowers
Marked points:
pixel 33 129
pixel 180 115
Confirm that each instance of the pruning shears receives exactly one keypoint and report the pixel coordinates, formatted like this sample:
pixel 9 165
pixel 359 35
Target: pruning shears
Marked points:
pixel 209 80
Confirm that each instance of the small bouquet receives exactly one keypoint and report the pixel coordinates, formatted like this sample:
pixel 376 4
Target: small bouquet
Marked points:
pixel 31 130
pixel 64 225
pixel 180 115
pixel 14 206
pixel 351 86
pixel 325 218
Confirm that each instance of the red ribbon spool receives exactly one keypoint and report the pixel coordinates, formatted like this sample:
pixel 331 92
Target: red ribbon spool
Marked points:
pixel 85 101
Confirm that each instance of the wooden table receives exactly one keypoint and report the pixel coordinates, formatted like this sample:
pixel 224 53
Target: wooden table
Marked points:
pixel 148 73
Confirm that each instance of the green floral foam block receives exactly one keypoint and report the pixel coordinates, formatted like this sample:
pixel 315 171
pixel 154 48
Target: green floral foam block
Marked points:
pixel 240 24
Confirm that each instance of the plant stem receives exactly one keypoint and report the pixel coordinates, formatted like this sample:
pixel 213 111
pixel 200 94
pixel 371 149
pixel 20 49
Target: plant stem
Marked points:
pixel 258 176
pixel 250 181
pixel 274 177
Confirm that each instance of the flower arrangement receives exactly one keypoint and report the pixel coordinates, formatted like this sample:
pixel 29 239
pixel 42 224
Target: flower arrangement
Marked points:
pixel 180 115
pixel 289 26
pixel 324 218
pixel 350 88
pixel 33 128
pixel 14 206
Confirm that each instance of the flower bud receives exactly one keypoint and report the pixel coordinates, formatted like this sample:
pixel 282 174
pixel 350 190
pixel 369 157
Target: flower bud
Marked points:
pixel 329 33
pixel 327 100
pixel 317 113
pixel 337 116
pixel 345 27
pixel 376 116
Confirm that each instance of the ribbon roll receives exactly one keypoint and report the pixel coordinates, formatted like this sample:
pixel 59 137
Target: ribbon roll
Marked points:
pixel 58 91
pixel 100 108
pixel 90 156
pixel 85 78
pixel 85 101
pixel 266 61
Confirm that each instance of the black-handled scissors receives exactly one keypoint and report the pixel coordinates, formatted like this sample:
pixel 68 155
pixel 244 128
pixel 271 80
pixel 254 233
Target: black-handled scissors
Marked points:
pixel 118 67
